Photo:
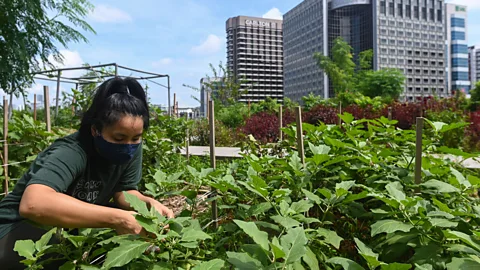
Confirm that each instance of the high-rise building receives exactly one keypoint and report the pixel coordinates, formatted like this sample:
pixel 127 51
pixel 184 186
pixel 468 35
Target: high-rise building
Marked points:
pixel 405 34
pixel 304 33
pixel 208 86
pixel 255 53
pixel 457 47
pixel 474 64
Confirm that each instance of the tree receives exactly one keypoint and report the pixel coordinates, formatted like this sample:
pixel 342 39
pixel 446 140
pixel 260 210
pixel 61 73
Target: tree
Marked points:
pixel 28 37
pixel 387 83
pixel 340 68
pixel 475 97
pixel 311 101
pixel 225 86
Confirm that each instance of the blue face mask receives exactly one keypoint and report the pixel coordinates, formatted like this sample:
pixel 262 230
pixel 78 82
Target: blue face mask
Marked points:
pixel 115 152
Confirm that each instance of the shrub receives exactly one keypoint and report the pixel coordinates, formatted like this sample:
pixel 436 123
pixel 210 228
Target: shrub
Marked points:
pixel 321 113
pixel 263 127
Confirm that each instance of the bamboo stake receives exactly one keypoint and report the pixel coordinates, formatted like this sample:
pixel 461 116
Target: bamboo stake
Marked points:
pixel 390 113
pixel 298 114
pixel 213 161
pixel 280 122
pixel 5 144
pixel 46 95
pixel 418 152
pixel 35 107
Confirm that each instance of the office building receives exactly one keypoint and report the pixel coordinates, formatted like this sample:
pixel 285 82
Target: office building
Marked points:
pixel 474 65
pixel 255 54
pixel 305 29
pixel 206 92
pixel 457 47
pixel 405 34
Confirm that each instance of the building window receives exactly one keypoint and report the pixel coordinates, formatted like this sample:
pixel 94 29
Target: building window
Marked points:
pixel 460 62
pixel 439 15
pixel 457 35
pixel 458 22
pixel 383 7
pixel 432 15
pixel 400 10
pixel 416 11
pixel 460 76
pixel 459 48
pixel 391 9
pixel 408 11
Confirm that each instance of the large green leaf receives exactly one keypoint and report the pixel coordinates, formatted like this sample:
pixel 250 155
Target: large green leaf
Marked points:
pixel 463 249
pixel 243 261
pixel 460 178
pixel 25 248
pixel 215 264
pixel 294 244
pixel 467 239
pixel 389 226
pixel 311 260
pixel 463 264
pixel 192 234
pixel 345 263
pixel 286 221
pixel 258 236
pixel 368 254
pixel 440 186
pixel 276 248
pixel 312 196
pixel 137 204
pixel 396 266
pixel 395 189
pixel 443 223
pixel 125 253
pixel 331 237
pixel 301 206
pixel 44 240
pixel 319 150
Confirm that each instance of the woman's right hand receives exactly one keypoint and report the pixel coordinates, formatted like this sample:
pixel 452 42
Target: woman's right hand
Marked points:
pixel 127 224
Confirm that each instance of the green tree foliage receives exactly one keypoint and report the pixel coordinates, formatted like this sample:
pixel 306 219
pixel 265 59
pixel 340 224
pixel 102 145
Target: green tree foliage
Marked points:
pixel 227 88
pixel 311 101
pixel 340 68
pixel 29 35
pixel 475 97
pixel 387 83
pixel 267 105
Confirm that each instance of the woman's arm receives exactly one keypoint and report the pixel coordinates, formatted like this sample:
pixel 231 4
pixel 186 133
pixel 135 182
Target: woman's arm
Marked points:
pixel 162 209
pixel 44 205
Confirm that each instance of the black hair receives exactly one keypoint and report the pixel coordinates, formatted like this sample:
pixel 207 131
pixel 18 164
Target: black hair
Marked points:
pixel 112 100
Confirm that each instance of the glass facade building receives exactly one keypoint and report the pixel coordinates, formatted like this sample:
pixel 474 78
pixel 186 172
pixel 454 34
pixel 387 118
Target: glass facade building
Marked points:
pixel 474 65
pixel 457 48
pixel 408 35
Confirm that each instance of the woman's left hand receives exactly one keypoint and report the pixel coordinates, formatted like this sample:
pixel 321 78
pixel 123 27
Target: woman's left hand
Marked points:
pixel 162 209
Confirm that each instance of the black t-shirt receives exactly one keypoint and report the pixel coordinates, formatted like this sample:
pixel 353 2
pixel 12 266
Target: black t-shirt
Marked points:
pixel 72 167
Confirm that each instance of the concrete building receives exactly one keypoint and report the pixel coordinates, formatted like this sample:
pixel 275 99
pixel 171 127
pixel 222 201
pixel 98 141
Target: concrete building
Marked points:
pixel 206 90
pixel 305 29
pixel 457 47
pixel 255 53
pixel 405 34
pixel 474 65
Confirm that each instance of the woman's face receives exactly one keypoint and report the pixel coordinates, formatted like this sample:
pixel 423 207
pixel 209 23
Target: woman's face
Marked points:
pixel 128 130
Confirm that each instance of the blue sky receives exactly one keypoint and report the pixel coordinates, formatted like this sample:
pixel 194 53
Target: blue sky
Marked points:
pixel 177 37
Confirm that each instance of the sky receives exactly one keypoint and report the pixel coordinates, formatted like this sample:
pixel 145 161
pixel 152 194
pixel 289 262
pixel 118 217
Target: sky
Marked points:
pixel 176 37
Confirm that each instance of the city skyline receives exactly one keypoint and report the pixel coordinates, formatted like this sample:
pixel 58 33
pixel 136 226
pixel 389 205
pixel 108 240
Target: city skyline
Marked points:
pixel 180 38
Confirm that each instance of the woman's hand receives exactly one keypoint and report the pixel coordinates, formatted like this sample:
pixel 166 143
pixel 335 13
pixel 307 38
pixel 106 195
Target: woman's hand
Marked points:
pixel 127 224
pixel 162 209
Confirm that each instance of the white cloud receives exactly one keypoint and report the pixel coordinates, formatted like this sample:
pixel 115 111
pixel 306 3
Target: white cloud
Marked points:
pixel 471 4
pixel 213 44
pixel 70 59
pixel 162 62
pixel 109 14
pixel 273 13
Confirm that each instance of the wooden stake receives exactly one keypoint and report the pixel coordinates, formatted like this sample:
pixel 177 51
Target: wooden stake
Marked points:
pixel 46 96
pixel 174 103
pixel 280 123
pixel 178 111
pixel 57 99
pixel 298 115
pixel 208 105
pixel 339 113
pixel 5 144
pixel 390 113
pixel 418 152
pixel 35 107
pixel 213 161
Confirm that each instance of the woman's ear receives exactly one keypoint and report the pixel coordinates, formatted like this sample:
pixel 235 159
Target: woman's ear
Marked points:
pixel 94 131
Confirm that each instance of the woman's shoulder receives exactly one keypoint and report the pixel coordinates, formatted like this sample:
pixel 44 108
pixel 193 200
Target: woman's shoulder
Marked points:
pixel 71 145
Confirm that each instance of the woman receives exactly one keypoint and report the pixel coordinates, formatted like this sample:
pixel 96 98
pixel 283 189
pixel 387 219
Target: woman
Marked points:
pixel 71 183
